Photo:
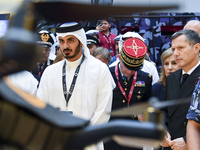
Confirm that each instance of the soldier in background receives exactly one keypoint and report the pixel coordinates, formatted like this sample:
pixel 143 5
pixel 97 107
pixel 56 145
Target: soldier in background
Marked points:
pixel 45 41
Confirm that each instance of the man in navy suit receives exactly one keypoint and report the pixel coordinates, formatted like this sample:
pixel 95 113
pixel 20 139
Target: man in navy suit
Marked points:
pixel 186 47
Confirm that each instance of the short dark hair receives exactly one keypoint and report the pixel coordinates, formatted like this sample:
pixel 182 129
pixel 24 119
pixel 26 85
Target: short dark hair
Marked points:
pixel 107 19
pixel 191 36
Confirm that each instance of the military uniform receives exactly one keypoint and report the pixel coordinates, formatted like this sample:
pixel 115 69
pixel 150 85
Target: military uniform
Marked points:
pixel 44 40
pixel 134 88
pixel 35 71
pixel 141 91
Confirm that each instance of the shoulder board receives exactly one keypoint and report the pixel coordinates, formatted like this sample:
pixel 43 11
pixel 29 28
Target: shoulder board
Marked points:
pixel 149 75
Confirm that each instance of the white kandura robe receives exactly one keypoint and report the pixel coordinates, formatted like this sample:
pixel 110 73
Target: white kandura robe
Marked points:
pixel 92 96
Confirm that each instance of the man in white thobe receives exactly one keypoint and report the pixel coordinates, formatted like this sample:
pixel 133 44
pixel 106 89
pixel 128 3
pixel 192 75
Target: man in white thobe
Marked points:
pixel 91 97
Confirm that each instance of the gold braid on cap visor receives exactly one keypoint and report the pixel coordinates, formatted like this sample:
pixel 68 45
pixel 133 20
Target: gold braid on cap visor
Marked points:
pixel 131 62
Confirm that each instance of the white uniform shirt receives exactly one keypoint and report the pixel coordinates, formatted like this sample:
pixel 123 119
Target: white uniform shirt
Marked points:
pixel 150 68
pixel 92 95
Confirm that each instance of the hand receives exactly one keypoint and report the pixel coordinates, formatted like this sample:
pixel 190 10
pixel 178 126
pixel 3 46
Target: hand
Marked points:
pixel 140 117
pixel 99 28
pixel 167 140
pixel 178 144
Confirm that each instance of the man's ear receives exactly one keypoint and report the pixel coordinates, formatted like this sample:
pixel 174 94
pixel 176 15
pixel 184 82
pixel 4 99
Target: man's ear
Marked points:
pixel 81 44
pixel 109 25
pixel 197 48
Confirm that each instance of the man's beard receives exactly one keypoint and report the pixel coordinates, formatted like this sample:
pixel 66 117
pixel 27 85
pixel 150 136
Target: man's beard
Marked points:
pixel 77 50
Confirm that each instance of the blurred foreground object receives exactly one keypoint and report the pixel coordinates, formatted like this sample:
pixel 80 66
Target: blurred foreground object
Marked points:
pixel 77 12
pixel 18 50
pixel 152 105
pixel 29 123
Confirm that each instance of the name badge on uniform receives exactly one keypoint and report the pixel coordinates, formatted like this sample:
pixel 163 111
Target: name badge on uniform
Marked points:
pixel 140 84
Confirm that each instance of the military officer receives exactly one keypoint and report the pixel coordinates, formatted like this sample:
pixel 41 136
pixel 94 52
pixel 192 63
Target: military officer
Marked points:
pixel 132 84
pixel 45 41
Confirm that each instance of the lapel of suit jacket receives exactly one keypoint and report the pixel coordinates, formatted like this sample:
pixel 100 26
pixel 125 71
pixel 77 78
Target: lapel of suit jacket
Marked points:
pixel 186 89
pixel 174 88
pixel 171 85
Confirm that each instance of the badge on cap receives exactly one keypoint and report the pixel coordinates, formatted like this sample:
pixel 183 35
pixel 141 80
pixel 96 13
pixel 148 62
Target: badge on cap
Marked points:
pixel 135 47
pixel 44 37
pixel 133 53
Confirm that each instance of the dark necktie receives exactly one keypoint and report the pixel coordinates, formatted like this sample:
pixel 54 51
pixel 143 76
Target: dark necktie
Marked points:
pixel 183 78
pixel 40 68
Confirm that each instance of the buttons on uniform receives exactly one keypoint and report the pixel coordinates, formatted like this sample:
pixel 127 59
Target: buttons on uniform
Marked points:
pixel 124 101
pixel 138 97
pixel 184 123
pixel 125 89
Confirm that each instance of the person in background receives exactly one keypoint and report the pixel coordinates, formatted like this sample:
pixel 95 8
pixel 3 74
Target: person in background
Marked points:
pixel 45 41
pixel 116 39
pixel 59 57
pixel 106 38
pixel 80 83
pixel 180 86
pixel 193 25
pixel 193 116
pixel 52 54
pixel 102 54
pixel 94 33
pixel 92 43
pixel 169 65
pixel 147 66
pixel 57 48
pixel 147 57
